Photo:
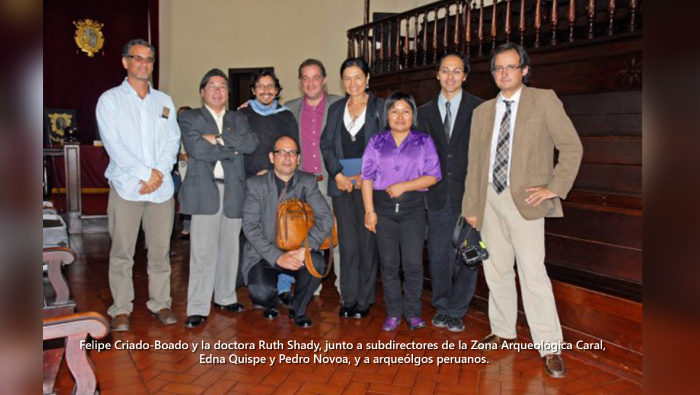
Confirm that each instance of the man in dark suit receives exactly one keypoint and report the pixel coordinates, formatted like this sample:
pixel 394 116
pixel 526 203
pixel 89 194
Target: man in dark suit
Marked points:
pixel 216 140
pixel 511 187
pixel 447 119
pixel 263 261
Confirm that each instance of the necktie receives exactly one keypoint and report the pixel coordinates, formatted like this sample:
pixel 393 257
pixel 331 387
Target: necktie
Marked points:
pixel 500 167
pixel 448 121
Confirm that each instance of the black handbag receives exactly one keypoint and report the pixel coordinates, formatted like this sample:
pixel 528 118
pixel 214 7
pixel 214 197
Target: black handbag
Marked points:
pixel 468 244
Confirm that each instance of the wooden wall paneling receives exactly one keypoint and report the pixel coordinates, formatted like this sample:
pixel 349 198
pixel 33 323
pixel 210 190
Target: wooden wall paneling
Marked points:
pixel 610 178
pixel 618 125
pixel 615 261
pixel 627 102
pixel 613 227
pixel 612 150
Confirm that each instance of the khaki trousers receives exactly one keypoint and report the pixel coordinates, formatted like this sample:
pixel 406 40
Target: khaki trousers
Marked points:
pixel 125 218
pixel 510 238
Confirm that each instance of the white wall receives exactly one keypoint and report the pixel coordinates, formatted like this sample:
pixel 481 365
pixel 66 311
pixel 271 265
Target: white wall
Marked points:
pixel 196 36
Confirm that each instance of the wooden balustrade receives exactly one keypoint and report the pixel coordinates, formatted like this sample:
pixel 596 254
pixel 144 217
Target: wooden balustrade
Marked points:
pixel 418 37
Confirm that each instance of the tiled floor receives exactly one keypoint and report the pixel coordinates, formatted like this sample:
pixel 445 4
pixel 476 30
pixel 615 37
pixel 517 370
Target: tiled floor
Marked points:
pixel 179 372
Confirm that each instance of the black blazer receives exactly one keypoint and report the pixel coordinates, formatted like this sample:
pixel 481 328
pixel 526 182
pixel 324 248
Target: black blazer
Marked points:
pixel 331 138
pixel 453 154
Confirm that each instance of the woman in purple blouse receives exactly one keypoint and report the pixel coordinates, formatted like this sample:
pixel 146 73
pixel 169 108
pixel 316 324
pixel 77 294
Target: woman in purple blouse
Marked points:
pixel 398 166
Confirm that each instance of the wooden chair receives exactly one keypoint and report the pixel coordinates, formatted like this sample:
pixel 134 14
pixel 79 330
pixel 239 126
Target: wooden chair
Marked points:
pixel 72 330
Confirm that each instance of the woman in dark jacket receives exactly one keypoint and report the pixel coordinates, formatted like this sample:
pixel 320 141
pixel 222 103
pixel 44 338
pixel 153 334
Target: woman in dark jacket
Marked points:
pixel 351 123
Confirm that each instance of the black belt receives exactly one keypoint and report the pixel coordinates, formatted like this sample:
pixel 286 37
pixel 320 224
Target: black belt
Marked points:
pixel 219 180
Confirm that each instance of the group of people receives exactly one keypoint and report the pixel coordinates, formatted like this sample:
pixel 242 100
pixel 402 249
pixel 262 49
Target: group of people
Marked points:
pixel 390 174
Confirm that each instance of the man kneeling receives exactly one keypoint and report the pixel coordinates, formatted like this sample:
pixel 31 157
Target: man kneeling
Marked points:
pixel 263 261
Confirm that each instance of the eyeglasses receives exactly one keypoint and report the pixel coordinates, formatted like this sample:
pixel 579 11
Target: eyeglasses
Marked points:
pixel 214 87
pixel 270 87
pixel 315 78
pixel 287 153
pixel 141 59
pixel 509 68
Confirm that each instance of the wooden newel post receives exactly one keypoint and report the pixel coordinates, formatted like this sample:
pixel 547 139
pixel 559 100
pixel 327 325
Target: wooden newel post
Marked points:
pixel 73 189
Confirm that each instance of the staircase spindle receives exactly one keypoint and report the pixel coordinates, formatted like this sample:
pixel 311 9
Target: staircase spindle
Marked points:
pixel 611 16
pixel 508 21
pixel 381 48
pixel 447 28
pixel 522 22
pixel 555 21
pixel 373 52
pixel 350 45
pixel 397 47
pixel 591 17
pixel 365 43
pixel 481 28
pixel 494 25
pixel 468 29
pixel 538 22
pixel 457 27
pixel 425 38
pixel 406 48
pixel 633 15
pixel 572 19
pixel 415 40
pixel 435 34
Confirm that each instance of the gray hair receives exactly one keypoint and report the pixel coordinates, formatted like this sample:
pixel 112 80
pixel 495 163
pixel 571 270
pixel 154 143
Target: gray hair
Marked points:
pixel 134 42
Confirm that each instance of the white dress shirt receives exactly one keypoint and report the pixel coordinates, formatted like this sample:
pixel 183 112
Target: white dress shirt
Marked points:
pixel 219 119
pixel 500 111
pixel 139 135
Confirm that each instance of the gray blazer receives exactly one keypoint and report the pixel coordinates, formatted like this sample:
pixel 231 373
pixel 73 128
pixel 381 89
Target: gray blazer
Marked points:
pixel 260 217
pixel 199 194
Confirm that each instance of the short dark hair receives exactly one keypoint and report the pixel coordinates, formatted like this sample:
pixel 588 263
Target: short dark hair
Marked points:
pixel 457 54
pixel 396 96
pixel 284 136
pixel 524 58
pixel 313 62
pixel 265 73
pixel 126 51
pixel 214 73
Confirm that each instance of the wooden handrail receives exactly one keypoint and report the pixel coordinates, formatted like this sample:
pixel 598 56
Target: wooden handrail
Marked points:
pixel 464 28
pixel 76 328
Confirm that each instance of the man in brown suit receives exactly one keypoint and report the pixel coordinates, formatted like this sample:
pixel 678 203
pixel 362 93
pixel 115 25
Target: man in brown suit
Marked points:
pixel 512 185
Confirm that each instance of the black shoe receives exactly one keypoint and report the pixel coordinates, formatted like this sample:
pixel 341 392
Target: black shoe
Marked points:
pixel 236 307
pixel 285 299
pixel 440 321
pixel 346 312
pixel 359 313
pixel 195 321
pixel 301 321
pixel 271 313
pixel 455 325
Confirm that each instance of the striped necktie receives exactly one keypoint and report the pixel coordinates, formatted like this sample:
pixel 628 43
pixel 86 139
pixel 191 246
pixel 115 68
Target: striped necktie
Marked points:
pixel 500 168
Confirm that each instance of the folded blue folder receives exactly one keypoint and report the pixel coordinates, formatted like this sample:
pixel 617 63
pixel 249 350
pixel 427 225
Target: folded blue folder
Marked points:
pixel 351 167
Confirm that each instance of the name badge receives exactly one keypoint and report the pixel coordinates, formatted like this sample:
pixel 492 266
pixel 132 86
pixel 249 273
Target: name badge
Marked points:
pixel 166 113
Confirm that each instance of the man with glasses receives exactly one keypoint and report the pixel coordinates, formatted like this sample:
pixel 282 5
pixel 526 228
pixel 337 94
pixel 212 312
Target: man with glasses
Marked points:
pixel 140 133
pixel 448 119
pixel 216 141
pixel 263 261
pixel 512 185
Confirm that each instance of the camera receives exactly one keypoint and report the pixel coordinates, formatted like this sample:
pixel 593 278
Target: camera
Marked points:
pixel 468 244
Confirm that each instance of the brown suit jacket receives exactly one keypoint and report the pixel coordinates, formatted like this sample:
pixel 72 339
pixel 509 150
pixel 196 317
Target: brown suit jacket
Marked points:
pixel 540 126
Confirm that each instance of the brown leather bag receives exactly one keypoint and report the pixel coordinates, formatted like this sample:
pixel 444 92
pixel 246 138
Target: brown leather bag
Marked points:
pixel 294 220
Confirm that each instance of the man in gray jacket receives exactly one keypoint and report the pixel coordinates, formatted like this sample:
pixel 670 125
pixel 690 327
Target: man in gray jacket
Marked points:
pixel 263 261
pixel 216 140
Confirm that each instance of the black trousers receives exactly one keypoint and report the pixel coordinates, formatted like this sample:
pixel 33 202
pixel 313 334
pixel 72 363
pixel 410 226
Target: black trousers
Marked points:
pixel 452 281
pixel 358 252
pixel 400 238
pixel 262 284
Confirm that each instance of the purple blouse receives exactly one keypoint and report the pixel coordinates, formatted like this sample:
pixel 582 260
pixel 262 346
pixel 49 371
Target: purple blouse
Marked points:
pixel 386 164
